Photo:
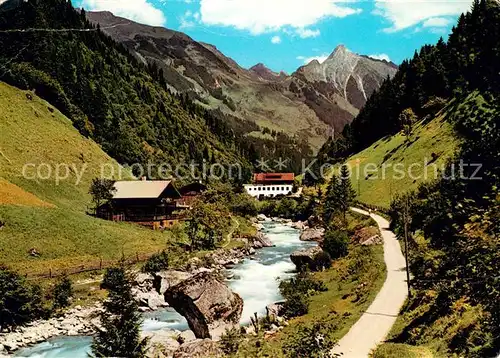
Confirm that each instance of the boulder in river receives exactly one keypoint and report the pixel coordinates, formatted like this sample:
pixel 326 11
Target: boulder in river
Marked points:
pixel 262 217
pixel 165 279
pixel 208 305
pixel 305 257
pixel 260 240
pixel 274 310
pixel 312 234
pixel 199 348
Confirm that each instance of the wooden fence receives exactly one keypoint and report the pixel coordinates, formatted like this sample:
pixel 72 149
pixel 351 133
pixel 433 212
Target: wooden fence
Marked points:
pixel 92 266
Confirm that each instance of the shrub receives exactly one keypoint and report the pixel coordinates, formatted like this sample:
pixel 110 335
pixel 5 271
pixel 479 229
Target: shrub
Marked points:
pixel 113 278
pixel 230 341
pixel 321 261
pixel 244 205
pixel 296 304
pixel 63 291
pixel 20 302
pixel 310 341
pixel 156 263
pixel 297 291
pixel 304 283
pixel 336 243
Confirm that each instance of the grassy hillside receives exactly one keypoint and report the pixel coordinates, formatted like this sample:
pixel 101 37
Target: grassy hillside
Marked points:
pixel 109 95
pixel 45 214
pixel 379 166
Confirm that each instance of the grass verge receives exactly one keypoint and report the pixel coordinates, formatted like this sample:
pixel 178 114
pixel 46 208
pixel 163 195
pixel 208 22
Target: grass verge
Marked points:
pixel 352 282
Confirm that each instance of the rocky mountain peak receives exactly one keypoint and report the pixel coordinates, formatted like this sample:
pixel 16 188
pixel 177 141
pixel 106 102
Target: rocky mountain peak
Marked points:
pixel 262 71
pixel 340 49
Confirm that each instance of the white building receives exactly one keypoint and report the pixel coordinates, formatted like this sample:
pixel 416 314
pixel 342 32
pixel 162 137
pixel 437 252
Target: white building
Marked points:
pixel 271 190
pixel 271 184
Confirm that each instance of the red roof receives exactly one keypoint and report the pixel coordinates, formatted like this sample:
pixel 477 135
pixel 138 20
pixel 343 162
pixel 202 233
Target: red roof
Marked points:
pixel 273 177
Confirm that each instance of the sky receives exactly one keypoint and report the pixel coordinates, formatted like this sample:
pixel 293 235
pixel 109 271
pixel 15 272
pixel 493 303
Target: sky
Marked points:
pixel 286 34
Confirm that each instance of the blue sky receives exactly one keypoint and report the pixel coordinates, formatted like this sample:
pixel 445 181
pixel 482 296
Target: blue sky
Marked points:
pixel 285 34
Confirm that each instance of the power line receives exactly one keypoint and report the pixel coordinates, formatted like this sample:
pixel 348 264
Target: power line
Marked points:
pixel 61 30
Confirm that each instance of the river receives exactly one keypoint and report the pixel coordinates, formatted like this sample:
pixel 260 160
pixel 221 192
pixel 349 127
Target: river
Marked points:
pixel 255 280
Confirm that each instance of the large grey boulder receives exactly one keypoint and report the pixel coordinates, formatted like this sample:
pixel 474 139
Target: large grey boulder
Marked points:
pixel 165 279
pixel 304 257
pixel 208 305
pixel 313 234
pixel 201 348
pixel 260 240
pixel 274 310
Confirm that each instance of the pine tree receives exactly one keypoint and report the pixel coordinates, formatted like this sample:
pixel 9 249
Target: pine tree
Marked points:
pixel 346 192
pixel 120 320
pixel 330 208
pixel 339 197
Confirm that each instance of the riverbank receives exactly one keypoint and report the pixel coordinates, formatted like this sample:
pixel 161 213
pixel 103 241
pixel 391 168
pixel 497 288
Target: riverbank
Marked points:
pixel 352 284
pixel 239 264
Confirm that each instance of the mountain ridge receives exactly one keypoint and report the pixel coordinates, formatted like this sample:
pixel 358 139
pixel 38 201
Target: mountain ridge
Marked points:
pixel 285 103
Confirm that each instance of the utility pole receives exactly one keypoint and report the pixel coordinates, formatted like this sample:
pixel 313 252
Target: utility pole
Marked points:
pixel 407 220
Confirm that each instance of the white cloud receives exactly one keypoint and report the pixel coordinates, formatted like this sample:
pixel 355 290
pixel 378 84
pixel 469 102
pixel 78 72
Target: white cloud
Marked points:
pixel 381 56
pixel 402 14
pixel 259 16
pixel 305 33
pixel 321 58
pixel 276 40
pixel 437 22
pixel 141 11
pixel 188 20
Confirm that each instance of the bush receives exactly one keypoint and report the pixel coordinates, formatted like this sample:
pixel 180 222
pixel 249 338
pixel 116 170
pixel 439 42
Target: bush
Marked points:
pixel 321 261
pixel 244 205
pixel 336 243
pixel 310 341
pixel 230 341
pixel 296 304
pixel 156 263
pixel 114 277
pixel 20 302
pixel 63 291
pixel 304 283
pixel 297 291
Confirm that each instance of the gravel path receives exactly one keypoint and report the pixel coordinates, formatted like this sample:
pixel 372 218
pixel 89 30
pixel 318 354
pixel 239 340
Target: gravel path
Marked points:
pixel 374 325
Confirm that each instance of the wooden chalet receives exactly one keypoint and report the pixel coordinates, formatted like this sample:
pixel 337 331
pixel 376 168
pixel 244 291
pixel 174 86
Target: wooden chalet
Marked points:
pixel 189 193
pixel 149 203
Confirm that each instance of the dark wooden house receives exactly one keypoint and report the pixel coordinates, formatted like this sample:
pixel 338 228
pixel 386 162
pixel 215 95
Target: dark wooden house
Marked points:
pixel 149 203
pixel 189 193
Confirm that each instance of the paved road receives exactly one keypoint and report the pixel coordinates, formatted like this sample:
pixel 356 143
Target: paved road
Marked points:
pixel 374 325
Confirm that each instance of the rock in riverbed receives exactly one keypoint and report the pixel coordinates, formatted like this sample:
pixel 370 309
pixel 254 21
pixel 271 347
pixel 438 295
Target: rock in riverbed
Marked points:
pixel 303 258
pixel 208 304
pixel 200 348
pixel 313 235
pixel 260 240
pixel 165 279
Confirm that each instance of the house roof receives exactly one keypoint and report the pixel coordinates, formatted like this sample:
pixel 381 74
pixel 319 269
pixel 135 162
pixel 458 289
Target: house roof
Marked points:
pixel 193 187
pixel 273 177
pixel 140 189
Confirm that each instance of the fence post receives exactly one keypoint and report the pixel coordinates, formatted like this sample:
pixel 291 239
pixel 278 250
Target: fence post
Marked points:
pixel 50 272
pixel 137 256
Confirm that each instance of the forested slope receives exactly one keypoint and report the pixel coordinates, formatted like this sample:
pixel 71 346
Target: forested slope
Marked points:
pixel 105 91
pixel 455 221
pixel 468 60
